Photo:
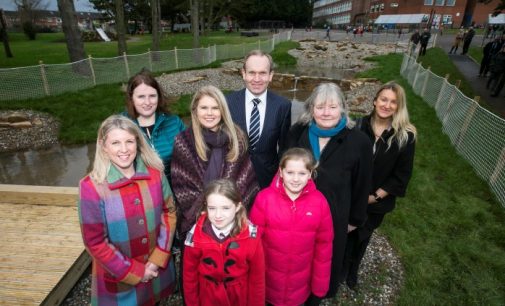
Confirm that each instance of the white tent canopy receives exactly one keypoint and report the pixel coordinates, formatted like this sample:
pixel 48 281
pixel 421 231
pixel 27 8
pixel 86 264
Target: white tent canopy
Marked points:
pixel 402 19
pixel 499 19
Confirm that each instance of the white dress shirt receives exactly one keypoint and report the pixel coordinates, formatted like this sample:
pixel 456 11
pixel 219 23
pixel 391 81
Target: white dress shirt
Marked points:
pixel 225 231
pixel 262 108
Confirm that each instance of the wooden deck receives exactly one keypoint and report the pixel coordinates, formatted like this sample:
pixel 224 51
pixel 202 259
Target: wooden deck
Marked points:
pixel 41 250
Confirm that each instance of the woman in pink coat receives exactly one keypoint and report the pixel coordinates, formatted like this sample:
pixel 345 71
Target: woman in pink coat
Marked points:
pixel 297 233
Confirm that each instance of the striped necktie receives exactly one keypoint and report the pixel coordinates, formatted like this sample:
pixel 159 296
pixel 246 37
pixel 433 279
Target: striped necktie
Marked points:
pixel 254 125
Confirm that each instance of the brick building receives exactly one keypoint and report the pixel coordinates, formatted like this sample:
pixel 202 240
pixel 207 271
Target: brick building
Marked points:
pixel 450 13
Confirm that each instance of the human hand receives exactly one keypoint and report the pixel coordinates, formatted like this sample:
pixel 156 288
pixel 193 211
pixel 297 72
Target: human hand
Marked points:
pixel 150 272
pixel 371 199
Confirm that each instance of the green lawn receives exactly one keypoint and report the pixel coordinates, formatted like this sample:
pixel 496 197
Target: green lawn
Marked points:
pixel 448 231
pixel 51 47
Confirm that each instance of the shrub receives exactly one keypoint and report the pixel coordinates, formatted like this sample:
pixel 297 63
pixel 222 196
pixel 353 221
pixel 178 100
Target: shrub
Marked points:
pixel 29 30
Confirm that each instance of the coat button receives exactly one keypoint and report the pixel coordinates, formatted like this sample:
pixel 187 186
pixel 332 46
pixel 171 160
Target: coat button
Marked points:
pixel 144 240
pixel 141 222
pixel 136 201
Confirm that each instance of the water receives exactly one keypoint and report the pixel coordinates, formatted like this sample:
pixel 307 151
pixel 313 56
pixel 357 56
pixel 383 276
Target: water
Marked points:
pixel 61 165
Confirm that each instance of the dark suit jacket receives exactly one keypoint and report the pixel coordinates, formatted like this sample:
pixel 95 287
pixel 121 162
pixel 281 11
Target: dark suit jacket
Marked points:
pixel 265 157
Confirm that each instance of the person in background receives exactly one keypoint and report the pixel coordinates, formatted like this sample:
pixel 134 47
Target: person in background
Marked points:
pixel 265 116
pixel 298 233
pixel 146 106
pixel 223 258
pixel 344 164
pixel 496 80
pixel 467 40
pixel 212 148
pixel 424 39
pixel 127 216
pixel 457 40
pixel 414 40
pixel 393 136
pixel 490 50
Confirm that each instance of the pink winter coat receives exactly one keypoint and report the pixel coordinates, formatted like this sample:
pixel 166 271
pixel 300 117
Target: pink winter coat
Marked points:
pixel 297 241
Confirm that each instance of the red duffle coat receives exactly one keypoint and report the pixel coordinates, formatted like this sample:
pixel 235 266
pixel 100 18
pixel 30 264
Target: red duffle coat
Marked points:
pixel 231 273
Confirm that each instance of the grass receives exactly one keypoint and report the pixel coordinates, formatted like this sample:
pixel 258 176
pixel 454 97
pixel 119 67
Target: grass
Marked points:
pixel 448 231
pixel 280 54
pixel 51 47
pixel 476 53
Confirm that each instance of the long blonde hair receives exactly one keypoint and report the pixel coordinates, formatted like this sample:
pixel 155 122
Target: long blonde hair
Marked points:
pixel 102 163
pixel 234 133
pixel 400 122
pixel 326 92
pixel 229 190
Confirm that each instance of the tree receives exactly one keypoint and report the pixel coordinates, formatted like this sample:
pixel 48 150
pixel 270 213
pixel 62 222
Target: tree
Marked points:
pixel 195 27
pixel 3 34
pixel 156 24
pixel 27 14
pixel 73 38
pixel 120 27
pixel 497 10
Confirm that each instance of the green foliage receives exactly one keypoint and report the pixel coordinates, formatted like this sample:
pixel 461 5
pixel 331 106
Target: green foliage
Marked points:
pixel 51 47
pixel 280 53
pixel 449 229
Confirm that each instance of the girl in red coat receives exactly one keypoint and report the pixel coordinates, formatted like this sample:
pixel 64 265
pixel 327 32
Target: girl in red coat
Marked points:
pixel 298 233
pixel 224 264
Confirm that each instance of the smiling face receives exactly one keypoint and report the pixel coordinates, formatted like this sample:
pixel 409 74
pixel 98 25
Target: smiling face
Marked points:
pixel 120 146
pixel 208 113
pixel 221 210
pixel 326 114
pixel 145 100
pixel 295 176
pixel 385 105
pixel 257 74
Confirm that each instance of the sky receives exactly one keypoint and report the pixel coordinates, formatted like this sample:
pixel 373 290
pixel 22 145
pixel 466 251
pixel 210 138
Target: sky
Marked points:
pixel 80 5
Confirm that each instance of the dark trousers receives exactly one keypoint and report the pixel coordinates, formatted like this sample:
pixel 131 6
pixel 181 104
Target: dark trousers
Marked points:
pixel 466 45
pixel 355 249
pixel 484 65
pixel 499 85
pixel 422 50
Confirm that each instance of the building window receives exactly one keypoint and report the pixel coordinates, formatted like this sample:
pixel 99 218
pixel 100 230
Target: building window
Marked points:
pixel 450 2
pixel 428 2
pixel 382 6
pixel 447 19
pixel 439 2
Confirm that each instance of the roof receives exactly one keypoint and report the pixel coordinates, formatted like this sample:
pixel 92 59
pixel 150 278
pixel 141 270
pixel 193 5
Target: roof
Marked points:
pixel 499 19
pixel 402 18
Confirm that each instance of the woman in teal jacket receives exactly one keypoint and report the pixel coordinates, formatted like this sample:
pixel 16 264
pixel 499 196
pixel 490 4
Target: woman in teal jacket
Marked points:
pixel 146 106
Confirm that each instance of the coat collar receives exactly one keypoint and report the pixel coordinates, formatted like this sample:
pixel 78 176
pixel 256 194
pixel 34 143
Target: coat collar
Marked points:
pixel 115 179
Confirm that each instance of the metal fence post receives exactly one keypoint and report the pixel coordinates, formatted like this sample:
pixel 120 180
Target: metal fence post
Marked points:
pixel 90 60
pixel 259 44
pixel 44 78
pixel 176 59
pixel 127 69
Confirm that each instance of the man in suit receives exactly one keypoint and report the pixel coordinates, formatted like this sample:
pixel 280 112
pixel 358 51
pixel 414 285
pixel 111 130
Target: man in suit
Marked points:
pixel 255 104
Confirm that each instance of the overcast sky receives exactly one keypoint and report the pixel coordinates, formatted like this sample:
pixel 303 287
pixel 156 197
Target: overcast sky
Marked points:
pixel 80 5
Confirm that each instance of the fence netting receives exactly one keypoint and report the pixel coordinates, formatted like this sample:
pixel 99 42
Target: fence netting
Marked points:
pixel 48 80
pixel 477 134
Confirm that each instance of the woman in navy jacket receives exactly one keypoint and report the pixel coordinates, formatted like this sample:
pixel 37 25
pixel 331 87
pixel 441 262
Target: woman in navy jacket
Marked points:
pixel 393 138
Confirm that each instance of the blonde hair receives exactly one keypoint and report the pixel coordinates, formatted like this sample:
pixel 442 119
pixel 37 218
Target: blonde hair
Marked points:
pixel 400 122
pixel 298 154
pixel 102 163
pixel 234 133
pixel 229 190
pixel 325 93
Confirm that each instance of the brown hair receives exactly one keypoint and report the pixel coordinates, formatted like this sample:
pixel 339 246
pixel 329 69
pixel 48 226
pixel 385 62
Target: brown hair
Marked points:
pixel 258 53
pixel 228 189
pixel 143 77
pixel 298 154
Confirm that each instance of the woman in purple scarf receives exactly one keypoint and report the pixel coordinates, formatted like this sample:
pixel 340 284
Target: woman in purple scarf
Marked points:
pixel 212 148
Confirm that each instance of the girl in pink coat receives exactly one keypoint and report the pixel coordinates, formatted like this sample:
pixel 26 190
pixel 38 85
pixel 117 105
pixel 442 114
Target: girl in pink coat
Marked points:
pixel 297 233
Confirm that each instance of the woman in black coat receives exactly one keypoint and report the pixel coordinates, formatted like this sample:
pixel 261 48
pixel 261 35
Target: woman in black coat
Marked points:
pixel 344 159
pixel 393 137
